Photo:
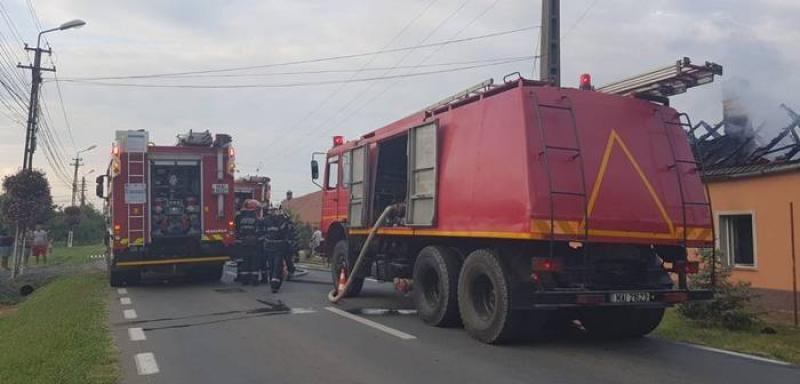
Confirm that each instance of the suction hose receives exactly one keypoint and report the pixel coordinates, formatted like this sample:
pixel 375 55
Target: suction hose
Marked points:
pixel 334 296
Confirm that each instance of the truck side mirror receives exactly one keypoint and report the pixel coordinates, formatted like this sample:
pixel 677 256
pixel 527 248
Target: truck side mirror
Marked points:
pixel 100 187
pixel 314 170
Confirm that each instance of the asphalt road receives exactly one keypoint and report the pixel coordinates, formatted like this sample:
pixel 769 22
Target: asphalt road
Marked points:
pixel 221 333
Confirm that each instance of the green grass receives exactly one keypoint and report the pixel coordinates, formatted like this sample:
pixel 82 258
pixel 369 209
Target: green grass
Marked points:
pixel 75 255
pixel 785 345
pixel 59 335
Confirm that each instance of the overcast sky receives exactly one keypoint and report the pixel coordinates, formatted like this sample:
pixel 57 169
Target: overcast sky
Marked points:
pixel 276 129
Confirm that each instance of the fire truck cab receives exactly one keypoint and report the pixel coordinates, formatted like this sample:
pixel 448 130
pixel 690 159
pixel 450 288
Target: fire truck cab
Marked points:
pixel 522 204
pixel 169 208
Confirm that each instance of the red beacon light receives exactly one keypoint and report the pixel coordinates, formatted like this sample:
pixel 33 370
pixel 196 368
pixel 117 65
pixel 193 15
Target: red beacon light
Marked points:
pixel 338 140
pixel 586 82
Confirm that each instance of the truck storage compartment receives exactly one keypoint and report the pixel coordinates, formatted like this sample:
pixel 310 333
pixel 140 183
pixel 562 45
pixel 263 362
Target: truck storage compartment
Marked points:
pixel 175 196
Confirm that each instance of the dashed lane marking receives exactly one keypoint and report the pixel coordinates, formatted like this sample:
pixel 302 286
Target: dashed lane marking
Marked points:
pixel 129 314
pixel 370 323
pixel 122 291
pixel 125 300
pixel 136 334
pixel 146 363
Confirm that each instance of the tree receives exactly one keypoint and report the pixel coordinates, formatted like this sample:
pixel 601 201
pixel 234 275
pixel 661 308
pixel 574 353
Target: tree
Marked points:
pixel 731 306
pixel 27 201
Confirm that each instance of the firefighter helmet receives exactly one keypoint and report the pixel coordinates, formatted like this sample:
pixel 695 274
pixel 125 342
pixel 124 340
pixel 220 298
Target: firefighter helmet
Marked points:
pixel 250 205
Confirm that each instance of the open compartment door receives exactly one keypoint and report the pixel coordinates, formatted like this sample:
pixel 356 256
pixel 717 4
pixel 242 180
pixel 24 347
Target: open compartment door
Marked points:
pixel 422 161
pixel 358 191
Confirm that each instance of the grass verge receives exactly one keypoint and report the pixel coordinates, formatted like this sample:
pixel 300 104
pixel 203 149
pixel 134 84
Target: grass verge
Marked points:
pixel 59 335
pixel 75 255
pixel 784 345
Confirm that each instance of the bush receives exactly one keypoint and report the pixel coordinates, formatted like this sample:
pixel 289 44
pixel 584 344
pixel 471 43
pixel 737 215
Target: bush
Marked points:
pixel 731 307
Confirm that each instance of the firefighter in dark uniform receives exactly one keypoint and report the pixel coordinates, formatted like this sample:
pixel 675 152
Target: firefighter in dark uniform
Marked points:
pixel 279 245
pixel 248 231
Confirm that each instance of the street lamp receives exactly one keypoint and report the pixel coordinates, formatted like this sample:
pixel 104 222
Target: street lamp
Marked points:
pixel 77 23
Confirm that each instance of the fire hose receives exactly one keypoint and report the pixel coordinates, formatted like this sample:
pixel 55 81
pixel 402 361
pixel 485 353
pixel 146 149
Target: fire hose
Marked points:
pixel 335 296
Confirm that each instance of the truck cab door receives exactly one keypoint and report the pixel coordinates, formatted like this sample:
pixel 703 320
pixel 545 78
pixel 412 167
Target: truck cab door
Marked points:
pixel 357 178
pixel 332 190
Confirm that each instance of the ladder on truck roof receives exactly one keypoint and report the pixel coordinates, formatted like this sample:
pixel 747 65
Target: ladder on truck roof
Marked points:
pixel 136 211
pixel 665 82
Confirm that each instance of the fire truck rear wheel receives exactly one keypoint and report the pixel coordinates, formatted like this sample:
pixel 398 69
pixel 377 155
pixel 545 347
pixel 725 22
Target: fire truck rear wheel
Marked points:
pixel 435 286
pixel 484 298
pixel 621 322
pixel 343 261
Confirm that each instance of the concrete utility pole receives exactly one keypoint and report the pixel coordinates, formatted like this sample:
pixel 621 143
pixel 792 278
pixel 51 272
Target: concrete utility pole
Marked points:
pixel 83 191
pixel 33 103
pixel 36 82
pixel 77 163
pixel 550 58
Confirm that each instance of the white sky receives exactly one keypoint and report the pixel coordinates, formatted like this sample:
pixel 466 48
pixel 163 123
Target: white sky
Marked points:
pixel 277 129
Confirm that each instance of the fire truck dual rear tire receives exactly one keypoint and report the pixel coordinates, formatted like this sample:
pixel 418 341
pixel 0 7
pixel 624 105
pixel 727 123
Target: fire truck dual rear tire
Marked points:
pixel 621 322
pixel 484 298
pixel 435 286
pixel 343 261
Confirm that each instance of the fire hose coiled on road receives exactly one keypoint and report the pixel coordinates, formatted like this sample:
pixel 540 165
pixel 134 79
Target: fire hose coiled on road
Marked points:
pixel 335 296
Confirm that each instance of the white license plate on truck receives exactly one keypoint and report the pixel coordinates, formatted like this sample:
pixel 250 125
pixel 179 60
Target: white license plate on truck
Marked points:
pixel 629 297
pixel 219 189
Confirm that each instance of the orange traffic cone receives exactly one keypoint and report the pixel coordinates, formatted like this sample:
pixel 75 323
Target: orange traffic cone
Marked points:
pixel 342 283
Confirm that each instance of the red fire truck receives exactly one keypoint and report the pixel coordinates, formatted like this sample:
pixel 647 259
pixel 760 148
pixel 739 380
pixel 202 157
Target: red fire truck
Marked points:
pixel 523 204
pixel 252 187
pixel 169 208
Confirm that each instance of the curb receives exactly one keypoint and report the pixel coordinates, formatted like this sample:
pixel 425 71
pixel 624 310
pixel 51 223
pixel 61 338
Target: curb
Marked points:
pixel 313 267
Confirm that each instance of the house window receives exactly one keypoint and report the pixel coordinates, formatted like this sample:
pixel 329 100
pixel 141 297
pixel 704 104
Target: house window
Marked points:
pixel 736 239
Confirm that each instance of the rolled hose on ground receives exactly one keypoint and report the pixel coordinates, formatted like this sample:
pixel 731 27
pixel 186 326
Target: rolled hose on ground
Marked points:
pixel 334 296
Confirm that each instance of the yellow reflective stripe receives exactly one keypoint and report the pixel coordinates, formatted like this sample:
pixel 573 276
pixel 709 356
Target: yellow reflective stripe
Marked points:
pixel 173 261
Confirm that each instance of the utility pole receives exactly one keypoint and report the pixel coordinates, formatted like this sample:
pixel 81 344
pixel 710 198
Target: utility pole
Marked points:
pixel 78 162
pixel 550 58
pixel 83 191
pixel 33 103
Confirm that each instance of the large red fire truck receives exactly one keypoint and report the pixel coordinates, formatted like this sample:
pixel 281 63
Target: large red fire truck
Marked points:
pixel 169 208
pixel 521 204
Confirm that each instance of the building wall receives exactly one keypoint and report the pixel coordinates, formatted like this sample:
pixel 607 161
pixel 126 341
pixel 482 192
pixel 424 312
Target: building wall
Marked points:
pixel 767 198
pixel 308 207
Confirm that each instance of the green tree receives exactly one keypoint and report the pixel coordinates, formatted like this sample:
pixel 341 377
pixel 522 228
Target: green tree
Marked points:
pixel 27 201
pixel 89 230
pixel 731 306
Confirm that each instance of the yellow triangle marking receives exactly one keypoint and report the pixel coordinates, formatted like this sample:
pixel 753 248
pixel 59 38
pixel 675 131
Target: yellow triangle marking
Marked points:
pixel 615 138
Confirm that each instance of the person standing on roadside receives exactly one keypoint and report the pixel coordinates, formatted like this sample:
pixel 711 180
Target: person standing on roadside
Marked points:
pixel 6 246
pixel 40 244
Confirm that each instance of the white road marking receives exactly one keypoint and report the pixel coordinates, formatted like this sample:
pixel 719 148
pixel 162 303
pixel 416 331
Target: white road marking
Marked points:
pixel 122 291
pixel 732 353
pixel 136 334
pixel 146 363
pixel 129 314
pixel 371 279
pixel 300 311
pixel 370 323
pixel 125 300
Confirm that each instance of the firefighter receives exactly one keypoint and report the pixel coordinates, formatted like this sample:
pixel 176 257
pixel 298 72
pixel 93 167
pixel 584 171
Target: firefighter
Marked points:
pixel 279 245
pixel 248 231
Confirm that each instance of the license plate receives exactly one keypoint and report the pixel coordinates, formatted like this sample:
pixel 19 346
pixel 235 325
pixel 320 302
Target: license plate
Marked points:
pixel 629 297
pixel 219 189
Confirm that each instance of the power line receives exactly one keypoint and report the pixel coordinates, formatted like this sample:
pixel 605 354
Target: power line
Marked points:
pixel 64 112
pixel 433 52
pixel 294 84
pixel 579 19
pixel 308 61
